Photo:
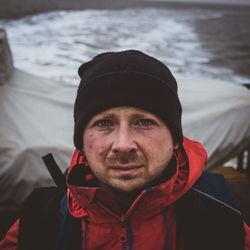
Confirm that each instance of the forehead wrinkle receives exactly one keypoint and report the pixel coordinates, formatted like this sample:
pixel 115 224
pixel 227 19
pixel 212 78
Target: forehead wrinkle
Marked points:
pixel 104 115
pixel 132 116
pixel 131 112
pixel 108 116
pixel 139 115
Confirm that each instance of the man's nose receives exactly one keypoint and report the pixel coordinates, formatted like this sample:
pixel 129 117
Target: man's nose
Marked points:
pixel 124 141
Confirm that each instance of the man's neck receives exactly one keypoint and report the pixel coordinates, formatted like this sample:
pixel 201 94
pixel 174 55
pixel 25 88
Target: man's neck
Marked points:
pixel 123 199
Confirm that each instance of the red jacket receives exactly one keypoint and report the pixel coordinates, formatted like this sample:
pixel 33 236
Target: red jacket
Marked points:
pixel 150 222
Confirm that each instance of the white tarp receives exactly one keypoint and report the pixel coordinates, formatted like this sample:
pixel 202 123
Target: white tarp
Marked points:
pixel 216 113
pixel 36 117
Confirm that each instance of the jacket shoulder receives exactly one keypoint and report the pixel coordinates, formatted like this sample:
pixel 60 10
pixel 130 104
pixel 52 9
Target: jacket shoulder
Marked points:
pixel 213 186
pixel 209 216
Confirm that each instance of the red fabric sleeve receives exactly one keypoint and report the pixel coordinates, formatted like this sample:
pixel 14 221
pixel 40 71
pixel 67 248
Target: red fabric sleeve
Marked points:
pixel 247 239
pixel 11 238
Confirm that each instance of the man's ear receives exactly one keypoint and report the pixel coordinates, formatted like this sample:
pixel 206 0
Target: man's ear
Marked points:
pixel 176 145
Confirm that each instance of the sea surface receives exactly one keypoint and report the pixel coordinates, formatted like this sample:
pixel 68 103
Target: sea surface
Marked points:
pixel 195 42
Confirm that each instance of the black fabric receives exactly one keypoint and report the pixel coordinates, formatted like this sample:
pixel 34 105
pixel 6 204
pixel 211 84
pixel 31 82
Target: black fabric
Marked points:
pixel 54 170
pixel 39 220
pixel 207 224
pixel 77 175
pixel 127 78
pixel 69 234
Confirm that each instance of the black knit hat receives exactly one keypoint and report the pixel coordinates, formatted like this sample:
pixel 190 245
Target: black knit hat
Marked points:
pixel 126 78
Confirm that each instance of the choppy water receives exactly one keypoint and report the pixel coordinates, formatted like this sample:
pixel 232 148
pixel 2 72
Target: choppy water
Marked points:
pixel 198 42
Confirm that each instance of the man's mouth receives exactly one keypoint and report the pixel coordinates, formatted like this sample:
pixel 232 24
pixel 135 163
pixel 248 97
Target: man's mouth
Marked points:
pixel 126 169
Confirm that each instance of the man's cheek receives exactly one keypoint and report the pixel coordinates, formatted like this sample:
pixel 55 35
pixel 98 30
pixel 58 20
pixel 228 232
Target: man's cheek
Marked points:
pixel 101 151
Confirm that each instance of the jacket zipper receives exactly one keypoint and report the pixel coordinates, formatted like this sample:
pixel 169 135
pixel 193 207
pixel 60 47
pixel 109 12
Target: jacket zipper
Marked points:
pixel 124 220
pixel 123 235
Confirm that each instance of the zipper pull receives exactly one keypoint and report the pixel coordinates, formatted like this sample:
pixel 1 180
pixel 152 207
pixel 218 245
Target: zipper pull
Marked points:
pixel 123 236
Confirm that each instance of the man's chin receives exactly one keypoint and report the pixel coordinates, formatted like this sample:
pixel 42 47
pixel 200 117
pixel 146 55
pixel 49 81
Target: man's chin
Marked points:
pixel 125 187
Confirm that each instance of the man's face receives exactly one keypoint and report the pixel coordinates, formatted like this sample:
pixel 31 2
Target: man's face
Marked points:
pixel 127 148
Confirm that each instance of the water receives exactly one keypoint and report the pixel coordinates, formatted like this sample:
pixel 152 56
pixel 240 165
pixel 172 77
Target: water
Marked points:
pixel 192 42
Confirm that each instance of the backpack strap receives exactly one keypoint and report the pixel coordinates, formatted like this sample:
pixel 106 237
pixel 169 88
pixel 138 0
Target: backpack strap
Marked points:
pixel 69 235
pixel 54 170
pixel 209 217
pixel 39 219
pixel 214 186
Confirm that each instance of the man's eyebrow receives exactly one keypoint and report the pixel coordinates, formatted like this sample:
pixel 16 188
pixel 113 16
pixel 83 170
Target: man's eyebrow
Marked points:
pixel 105 116
pixel 111 116
pixel 141 115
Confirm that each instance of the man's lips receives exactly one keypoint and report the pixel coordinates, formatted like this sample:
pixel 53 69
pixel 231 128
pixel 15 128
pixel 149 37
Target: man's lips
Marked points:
pixel 125 168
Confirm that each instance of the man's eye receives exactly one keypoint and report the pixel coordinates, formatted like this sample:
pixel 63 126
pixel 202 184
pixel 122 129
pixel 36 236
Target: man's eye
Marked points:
pixel 145 122
pixel 103 123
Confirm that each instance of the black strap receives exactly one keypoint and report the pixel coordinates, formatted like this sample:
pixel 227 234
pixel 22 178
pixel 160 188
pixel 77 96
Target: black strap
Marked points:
pixel 70 233
pixel 54 170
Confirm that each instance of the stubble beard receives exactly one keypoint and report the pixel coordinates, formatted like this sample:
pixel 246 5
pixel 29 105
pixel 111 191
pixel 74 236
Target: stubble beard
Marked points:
pixel 117 180
pixel 127 184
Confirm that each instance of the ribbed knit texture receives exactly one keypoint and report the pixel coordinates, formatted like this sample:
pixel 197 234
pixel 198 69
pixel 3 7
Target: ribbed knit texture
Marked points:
pixel 126 78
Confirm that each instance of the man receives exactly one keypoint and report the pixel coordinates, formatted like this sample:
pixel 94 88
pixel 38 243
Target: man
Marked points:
pixel 134 182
